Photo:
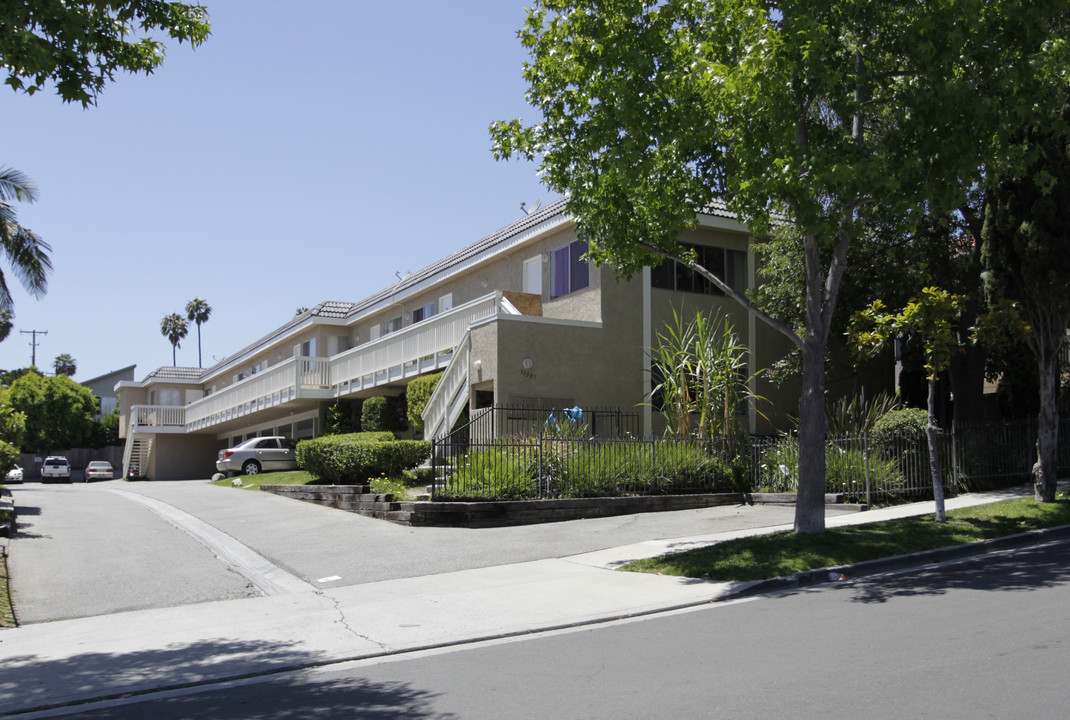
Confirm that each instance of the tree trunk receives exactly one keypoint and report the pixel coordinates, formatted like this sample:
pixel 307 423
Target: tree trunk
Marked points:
pixel 967 375
pixel 1046 473
pixel 934 455
pixel 813 425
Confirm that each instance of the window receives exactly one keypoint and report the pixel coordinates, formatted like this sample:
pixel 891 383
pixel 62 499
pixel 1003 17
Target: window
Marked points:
pixel 533 275
pixel 569 271
pixel 171 397
pixel 729 265
pixel 422 313
pixel 392 325
pixel 445 302
pixel 308 348
pixel 343 343
pixel 376 332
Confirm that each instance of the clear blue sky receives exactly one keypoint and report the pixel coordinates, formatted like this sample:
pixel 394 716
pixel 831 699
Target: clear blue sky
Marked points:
pixel 305 152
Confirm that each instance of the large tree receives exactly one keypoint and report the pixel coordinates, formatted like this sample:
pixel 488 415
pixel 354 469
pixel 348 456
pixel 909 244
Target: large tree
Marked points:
pixel 59 412
pixel 815 121
pixel 174 328
pixel 1026 253
pixel 198 311
pixel 80 45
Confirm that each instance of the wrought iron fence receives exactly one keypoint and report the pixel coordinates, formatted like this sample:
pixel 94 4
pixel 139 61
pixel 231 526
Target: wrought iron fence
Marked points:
pixel 508 453
pixel 507 421
pixel 548 465
pixel 869 468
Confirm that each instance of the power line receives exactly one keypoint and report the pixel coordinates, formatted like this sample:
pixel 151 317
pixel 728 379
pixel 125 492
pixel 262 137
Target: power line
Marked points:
pixel 33 344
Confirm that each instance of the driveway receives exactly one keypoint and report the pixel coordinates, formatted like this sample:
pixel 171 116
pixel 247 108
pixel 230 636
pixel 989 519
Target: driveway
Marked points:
pixel 101 548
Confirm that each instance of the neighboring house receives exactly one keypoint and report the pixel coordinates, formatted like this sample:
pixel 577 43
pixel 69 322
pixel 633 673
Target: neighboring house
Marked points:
pixel 103 389
pixel 515 318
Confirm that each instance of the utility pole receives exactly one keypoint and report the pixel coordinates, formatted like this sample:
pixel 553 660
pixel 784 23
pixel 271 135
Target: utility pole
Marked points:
pixel 33 344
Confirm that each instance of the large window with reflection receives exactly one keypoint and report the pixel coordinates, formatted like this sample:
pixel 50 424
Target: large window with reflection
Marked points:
pixel 729 265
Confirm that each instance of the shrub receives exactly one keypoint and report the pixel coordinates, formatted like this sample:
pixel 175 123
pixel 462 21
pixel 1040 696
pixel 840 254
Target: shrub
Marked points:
pixel 416 395
pixel 342 417
pixel 372 436
pixel 845 469
pixel 351 459
pixel 384 413
pixel 908 421
pixel 854 416
pixel 565 468
pixel 9 457
pixel 492 474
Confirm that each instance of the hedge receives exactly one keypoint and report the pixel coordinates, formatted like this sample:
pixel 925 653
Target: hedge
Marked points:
pixel 355 458
pixel 417 393
pixel 384 413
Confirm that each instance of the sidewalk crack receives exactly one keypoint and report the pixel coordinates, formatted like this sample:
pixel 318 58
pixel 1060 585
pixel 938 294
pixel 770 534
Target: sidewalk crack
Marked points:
pixel 344 622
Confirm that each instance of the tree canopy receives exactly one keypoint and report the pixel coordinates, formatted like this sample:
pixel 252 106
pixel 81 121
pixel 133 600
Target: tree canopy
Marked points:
pixel 814 122
pixel 174 327
pixel 65 364
pixel 25 252
pixel 59 412
pixel 79 46
pixel 1026 253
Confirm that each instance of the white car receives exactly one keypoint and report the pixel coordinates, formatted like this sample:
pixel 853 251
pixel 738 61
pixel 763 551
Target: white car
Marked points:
pixel 99 470
pixel 56 467
pixel 14 475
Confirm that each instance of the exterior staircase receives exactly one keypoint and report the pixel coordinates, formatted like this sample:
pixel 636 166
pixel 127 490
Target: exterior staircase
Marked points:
pixel 136 454
pixel 450 397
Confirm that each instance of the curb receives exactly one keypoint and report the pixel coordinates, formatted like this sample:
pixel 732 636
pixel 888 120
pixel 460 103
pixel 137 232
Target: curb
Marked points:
pixel 841 573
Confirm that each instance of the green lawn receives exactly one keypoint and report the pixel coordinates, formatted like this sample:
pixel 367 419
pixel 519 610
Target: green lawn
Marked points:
pixel 253 482
pixel 400 487
pixel 783 553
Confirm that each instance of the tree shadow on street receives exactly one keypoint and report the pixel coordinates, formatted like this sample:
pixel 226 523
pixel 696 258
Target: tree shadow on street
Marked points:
pixel 290 698
pixel 1019 571
pixel 30 682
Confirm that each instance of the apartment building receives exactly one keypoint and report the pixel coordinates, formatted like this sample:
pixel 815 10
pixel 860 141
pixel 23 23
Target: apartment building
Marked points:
pixel 518 317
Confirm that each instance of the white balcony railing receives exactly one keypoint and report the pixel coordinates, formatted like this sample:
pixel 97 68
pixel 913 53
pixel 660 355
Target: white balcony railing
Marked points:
pixel 417 349
pixel 413 350
pixel 157 416
pixel 445 403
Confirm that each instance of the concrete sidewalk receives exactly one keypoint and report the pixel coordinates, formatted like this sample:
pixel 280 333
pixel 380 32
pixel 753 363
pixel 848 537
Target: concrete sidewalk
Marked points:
pixel 75 661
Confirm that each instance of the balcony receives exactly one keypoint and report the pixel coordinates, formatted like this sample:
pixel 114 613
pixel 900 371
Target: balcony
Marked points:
pixel 157 419
pixel 424 347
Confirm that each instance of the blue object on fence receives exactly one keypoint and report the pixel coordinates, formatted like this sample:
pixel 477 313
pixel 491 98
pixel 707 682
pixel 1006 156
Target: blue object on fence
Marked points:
pixel 575 414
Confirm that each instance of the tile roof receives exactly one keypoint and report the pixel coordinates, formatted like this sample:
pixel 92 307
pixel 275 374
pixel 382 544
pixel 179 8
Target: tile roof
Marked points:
pixel 177 373
pixel 332 309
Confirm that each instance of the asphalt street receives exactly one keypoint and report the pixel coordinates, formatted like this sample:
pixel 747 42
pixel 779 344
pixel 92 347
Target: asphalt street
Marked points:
pixel 84 550
pixel 975 639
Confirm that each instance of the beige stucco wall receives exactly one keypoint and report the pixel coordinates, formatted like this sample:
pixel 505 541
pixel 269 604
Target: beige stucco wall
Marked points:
pixel 501 273
pixel 183 457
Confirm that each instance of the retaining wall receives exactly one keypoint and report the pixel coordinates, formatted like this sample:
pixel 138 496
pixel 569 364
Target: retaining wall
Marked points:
pixel 359 499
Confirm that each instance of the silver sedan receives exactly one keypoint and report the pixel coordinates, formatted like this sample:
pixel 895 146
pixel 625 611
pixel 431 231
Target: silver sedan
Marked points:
pixel 257 455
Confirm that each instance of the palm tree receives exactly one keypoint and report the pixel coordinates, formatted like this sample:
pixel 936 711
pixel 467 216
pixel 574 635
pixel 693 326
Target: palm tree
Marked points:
pixel 7 321
pixel 174 327
pixel 65 365
pixel 198 311
pixel 25 251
